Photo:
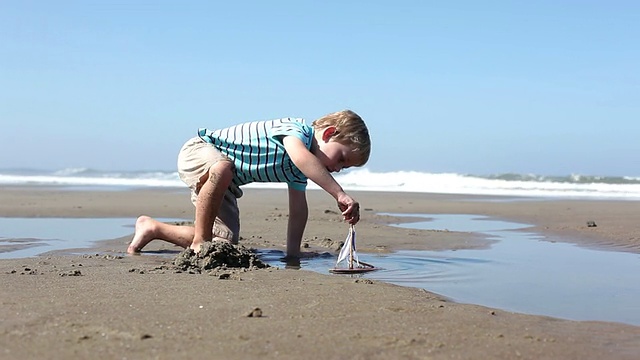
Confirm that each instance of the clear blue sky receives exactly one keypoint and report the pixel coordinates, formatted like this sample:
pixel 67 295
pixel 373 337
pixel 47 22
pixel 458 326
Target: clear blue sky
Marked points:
pixel 482 87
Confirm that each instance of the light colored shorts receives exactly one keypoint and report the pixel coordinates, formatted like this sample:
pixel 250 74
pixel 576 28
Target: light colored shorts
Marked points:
pixel 194 161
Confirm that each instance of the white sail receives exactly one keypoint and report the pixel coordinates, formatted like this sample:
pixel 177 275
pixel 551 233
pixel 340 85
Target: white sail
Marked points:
pixel 348 254
pixel 353 245
pixel 349 247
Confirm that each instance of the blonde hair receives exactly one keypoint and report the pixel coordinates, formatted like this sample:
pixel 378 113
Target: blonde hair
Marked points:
pixel 350 130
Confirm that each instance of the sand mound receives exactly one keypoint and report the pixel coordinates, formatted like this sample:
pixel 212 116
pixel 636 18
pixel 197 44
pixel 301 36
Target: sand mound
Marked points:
pixel 218 255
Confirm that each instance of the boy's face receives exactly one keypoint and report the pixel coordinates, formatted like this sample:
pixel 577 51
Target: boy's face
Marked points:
pixel 334 155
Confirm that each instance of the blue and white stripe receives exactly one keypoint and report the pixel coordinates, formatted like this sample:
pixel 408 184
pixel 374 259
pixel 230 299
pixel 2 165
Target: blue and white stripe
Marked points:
pixel 257 151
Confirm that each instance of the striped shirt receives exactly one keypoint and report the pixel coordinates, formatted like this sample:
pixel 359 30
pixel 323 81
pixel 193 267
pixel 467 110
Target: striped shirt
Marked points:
pixel 257 151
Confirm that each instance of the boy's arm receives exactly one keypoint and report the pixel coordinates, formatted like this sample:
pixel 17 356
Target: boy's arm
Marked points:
pixel 298 214
pixel 311 166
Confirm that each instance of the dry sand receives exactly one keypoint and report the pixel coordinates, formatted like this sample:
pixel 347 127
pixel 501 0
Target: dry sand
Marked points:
pixel 108 305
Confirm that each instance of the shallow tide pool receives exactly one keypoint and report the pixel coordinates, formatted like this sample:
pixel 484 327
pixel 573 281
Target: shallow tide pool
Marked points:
pixel 41 235
pixel 520 272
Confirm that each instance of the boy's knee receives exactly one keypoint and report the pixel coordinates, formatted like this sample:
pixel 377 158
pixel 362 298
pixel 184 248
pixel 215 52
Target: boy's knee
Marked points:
pixel 221 171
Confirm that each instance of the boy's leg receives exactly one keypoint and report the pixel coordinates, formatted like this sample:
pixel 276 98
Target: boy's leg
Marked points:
pixel 208 174
pixel 209 200
pixel 148 229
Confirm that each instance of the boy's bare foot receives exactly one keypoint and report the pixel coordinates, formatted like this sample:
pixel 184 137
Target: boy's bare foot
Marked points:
pixel 196 245
pixel 143 235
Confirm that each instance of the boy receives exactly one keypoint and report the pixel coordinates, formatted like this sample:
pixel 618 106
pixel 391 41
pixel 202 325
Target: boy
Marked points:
pixel 216 163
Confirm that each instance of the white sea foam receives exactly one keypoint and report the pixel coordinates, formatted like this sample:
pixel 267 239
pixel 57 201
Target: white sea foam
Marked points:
pixel 447 183
pixel 70 171
pixel 571 186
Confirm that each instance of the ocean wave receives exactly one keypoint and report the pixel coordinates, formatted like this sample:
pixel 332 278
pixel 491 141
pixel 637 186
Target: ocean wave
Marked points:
pixel 508 184
pixel 512 185
pixel 73 172
pixel 571 179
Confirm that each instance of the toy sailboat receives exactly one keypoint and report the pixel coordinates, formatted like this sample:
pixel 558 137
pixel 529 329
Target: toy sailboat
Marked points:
pixel 350 257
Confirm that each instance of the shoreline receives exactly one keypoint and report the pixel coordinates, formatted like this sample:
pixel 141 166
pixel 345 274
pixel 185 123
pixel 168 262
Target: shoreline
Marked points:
pixel 559 220
pixel 52 313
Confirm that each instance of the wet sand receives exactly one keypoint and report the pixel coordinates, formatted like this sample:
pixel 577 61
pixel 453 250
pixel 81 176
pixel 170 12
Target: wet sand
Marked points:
pixel 108 305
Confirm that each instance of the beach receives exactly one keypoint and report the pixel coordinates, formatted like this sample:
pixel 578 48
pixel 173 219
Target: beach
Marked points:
pixel 102 303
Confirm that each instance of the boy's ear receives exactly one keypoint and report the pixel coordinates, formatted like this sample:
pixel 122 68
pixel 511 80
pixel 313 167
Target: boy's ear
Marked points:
pixel 328 133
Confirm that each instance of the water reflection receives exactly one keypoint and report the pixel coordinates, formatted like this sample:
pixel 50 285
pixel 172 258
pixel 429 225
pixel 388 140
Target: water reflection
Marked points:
pixel 28 237
pixel 520 272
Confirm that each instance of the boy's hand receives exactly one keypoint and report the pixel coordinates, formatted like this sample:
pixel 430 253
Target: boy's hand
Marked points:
pixel 350 208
